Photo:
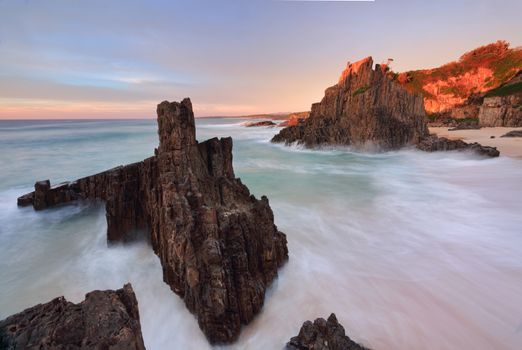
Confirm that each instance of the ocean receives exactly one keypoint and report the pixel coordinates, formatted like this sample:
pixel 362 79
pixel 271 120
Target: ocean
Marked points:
pixel 410 250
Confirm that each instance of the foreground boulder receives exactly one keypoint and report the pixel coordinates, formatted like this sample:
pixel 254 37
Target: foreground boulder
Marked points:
pixel 104 320
pixel 323 335
pixel 218 245
pixel 434 144
pixel 366 109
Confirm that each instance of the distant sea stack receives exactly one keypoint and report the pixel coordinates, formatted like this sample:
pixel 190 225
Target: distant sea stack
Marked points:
pixel 104 320
pixel 366 109
pixel 217 243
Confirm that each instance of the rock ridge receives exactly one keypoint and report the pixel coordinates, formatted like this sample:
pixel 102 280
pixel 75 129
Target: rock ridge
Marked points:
pixel 365 109
pixel 218 245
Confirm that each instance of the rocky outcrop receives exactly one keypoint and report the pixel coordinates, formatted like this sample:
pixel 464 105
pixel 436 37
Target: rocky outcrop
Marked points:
pixel 367 108
pixel 104 320
pixel 323 335
pixel 218 245
pixel 261 123
pixel 434 144
pixel 513 133
pixel 501 111
pixel 294 119
pixel 449 90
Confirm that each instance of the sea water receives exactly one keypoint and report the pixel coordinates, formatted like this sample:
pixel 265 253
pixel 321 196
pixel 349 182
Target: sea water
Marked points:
pixel 411 250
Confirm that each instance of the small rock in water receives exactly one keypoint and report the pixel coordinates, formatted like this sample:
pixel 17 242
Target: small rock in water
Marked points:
pixel 323 335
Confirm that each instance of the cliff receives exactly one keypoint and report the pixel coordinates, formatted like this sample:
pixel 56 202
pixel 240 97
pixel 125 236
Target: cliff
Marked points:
pixel 453 88
pixel 365 109
pixel 503 105
pixel 104 320
pixel 218 245
pixel 323 335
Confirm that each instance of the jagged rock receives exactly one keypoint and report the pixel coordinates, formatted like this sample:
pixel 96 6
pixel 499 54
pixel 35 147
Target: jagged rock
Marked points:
pixel 513 133
pixel 261 123
pixel 104 320
pixel 366 108
pixel 323 335
pixel 218 245
pixel 434 143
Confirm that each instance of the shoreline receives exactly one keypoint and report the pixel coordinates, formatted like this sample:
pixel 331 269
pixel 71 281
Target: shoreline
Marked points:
pixel 508 146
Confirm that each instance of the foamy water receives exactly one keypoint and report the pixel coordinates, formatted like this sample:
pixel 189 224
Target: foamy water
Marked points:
pixel 410 250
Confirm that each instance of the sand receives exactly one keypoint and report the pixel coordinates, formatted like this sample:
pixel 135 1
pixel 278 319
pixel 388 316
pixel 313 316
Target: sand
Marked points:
pixel 508 146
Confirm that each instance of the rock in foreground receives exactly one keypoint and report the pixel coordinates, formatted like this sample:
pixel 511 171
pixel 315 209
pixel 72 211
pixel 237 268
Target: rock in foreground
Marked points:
pixel 323 335
pixel 218 245
pixel 366 109
pixel 104 320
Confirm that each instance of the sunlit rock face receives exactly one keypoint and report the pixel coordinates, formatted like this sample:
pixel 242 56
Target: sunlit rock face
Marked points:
pixel 218 245
pixel 366 109
pixel 104 320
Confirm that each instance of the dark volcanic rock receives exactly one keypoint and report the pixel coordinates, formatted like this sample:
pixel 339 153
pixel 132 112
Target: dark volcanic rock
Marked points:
pixel 513 133
pixel 104 320
pixel 218 245
pixel 261 123
pixel 366 108
pixel 434 143
pixel 323 335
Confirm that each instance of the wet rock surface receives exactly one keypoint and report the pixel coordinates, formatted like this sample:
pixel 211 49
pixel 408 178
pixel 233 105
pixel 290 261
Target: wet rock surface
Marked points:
pixel 434 144
pixel 323 335
pixel 104 320
pixel 366 109
pixel 217 243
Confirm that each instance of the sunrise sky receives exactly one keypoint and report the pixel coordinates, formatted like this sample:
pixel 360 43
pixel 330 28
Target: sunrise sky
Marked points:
pixel 119 59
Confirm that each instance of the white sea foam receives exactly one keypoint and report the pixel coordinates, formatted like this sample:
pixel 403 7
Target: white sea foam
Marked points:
pixel 410 250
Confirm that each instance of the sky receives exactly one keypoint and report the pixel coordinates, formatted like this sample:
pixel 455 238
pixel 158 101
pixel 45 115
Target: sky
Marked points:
pixel 120 58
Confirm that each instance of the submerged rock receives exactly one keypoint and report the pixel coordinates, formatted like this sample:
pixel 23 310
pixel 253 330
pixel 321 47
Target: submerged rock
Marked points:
pixel 104 320
pixel 218 245
pixel 323 335
pixel 367 108
pixel 434 143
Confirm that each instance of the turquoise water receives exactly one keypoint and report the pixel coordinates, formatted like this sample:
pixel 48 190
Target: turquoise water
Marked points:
pixel 410 250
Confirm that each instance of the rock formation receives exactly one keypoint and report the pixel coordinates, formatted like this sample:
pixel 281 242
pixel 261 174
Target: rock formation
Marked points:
pixel 434 144
pixel 294 119
pixel 513 133
pixel 503 106
pixel 323 335
pixel 218 245
pixel 366 108
pixel 260 123
pixel 104 320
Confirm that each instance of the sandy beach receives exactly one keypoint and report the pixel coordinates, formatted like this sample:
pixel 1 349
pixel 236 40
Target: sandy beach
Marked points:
pixel 508 146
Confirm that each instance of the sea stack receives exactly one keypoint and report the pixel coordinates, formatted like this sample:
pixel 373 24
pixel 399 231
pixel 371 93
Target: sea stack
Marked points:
pixel 365 109
pixel 107 319
pixel 218 245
